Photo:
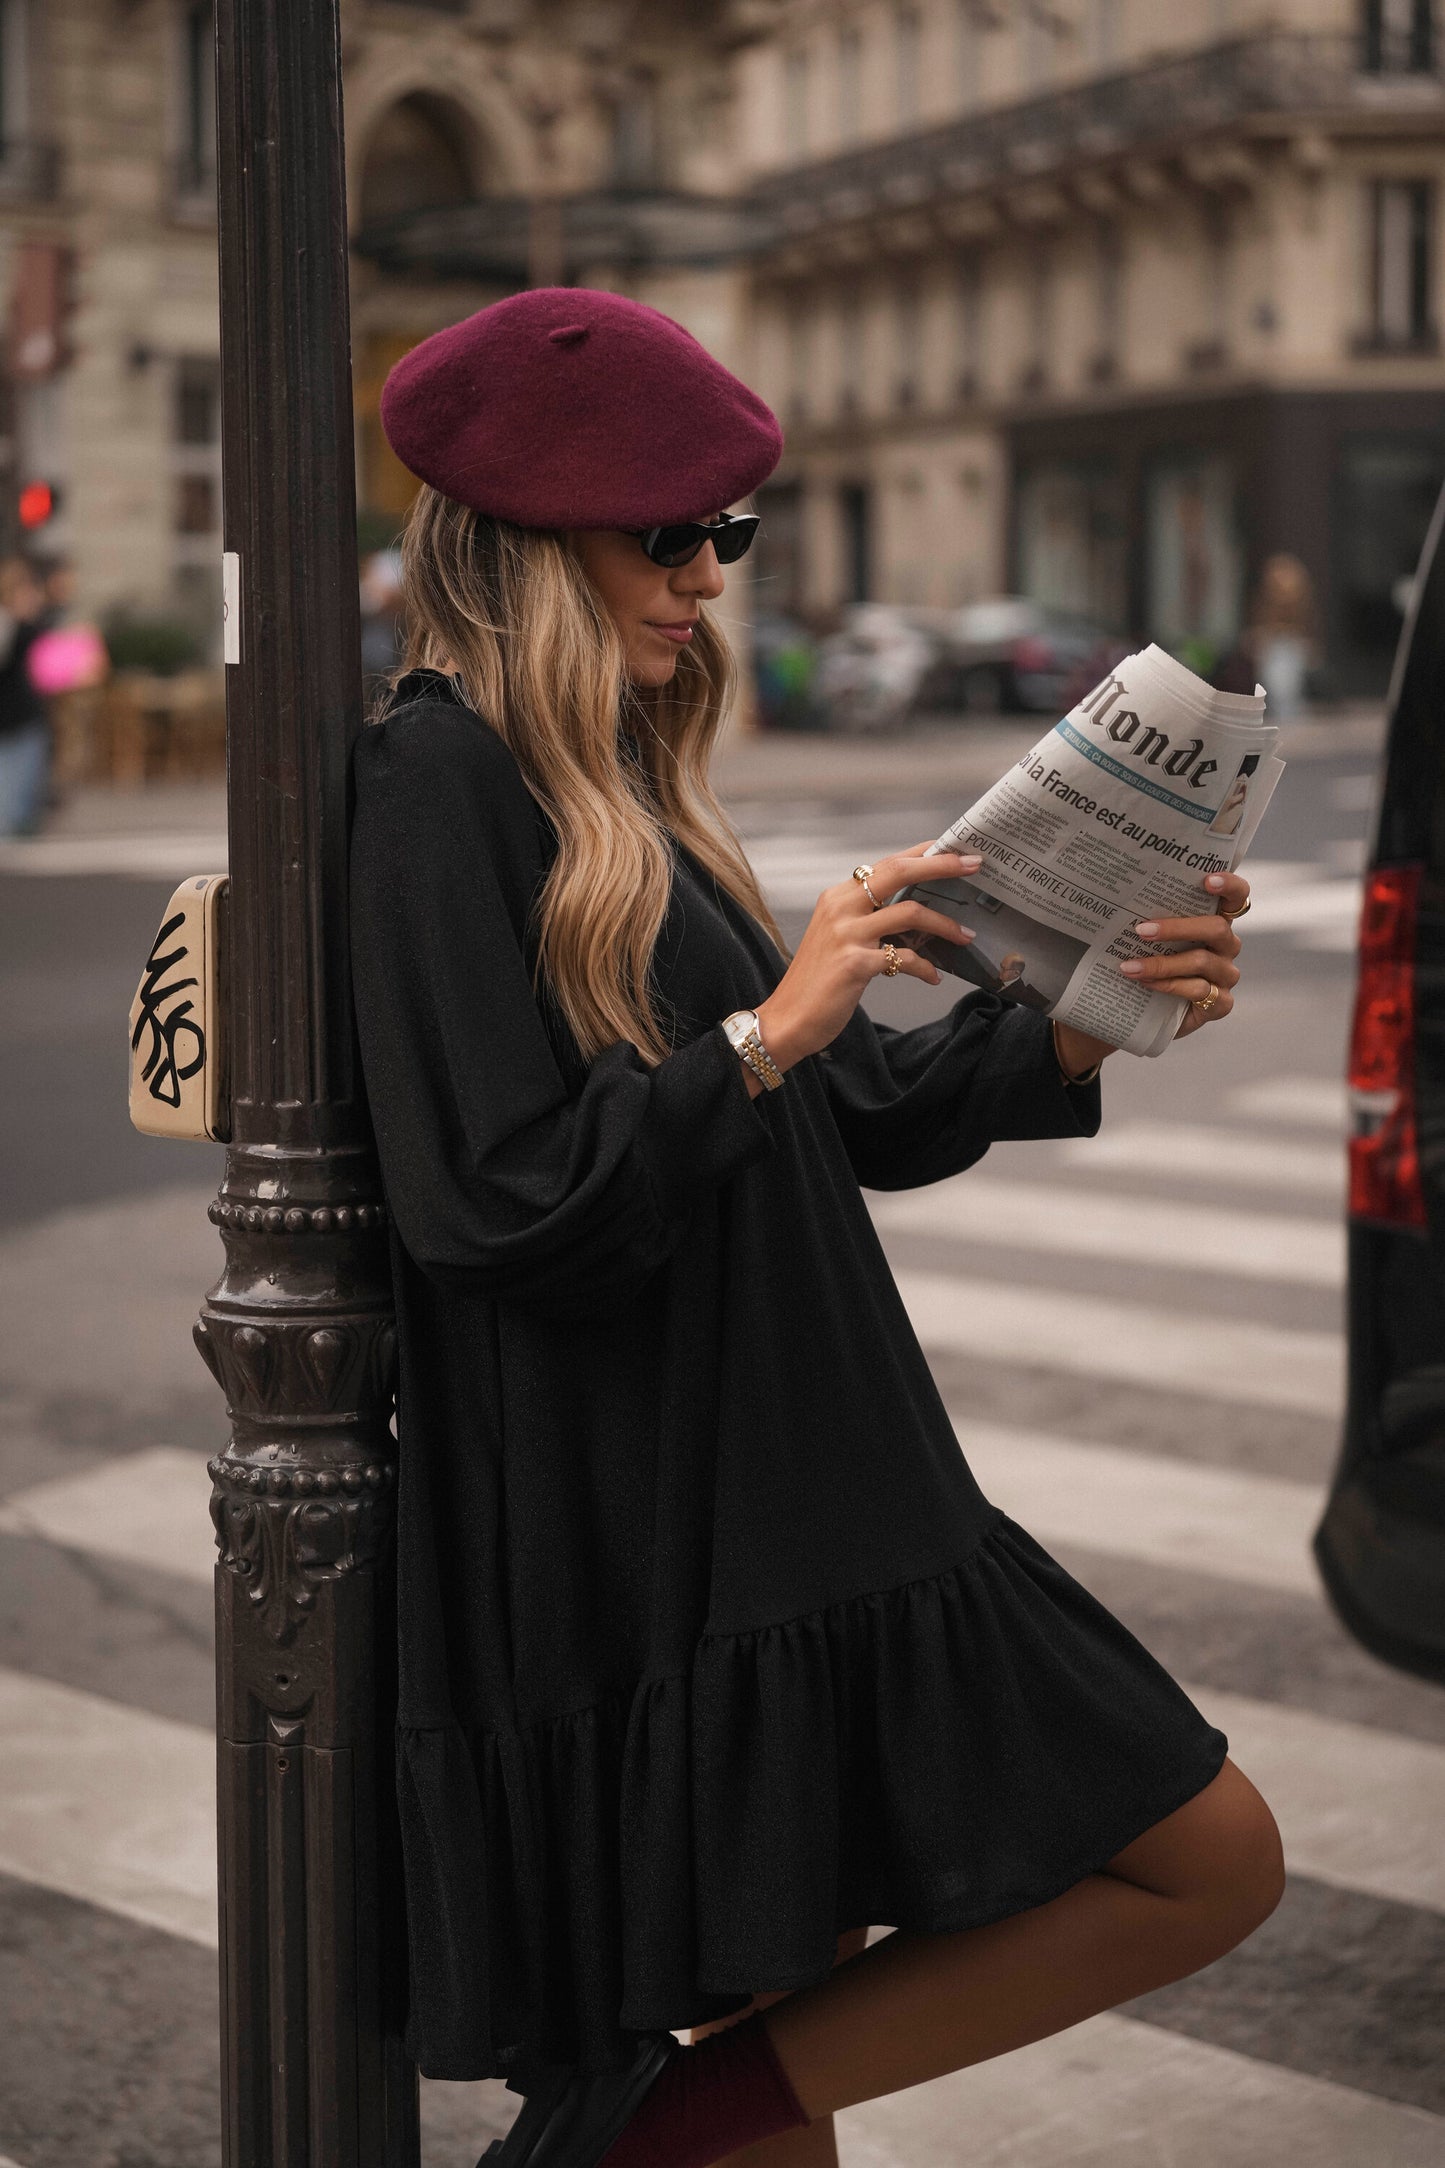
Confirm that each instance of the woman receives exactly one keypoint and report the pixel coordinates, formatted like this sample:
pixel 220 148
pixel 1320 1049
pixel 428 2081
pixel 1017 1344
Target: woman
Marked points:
pixel 712 1652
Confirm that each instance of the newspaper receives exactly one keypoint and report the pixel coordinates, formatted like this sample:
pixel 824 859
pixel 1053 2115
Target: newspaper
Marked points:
pixel 1152 782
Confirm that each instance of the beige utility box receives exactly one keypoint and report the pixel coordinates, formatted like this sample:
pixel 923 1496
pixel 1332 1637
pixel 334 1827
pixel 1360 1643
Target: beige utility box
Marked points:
pixel 179 1060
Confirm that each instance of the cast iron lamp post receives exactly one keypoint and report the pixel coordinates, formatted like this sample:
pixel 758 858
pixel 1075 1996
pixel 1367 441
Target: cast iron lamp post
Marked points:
pixel 298 1329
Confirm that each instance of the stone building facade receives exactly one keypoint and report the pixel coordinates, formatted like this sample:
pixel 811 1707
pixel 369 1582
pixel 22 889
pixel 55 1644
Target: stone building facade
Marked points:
pixel 489 142
pixel 1092 299
pixel 1104 301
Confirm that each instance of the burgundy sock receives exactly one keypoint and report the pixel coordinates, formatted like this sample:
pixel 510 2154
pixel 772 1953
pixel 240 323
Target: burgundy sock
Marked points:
pixel 728 2091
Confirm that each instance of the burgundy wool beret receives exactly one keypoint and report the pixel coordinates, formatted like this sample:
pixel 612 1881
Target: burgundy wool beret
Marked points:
pixel 564 407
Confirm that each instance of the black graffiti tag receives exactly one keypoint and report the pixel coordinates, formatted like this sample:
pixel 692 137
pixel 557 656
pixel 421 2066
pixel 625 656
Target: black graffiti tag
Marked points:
pixel 162 1072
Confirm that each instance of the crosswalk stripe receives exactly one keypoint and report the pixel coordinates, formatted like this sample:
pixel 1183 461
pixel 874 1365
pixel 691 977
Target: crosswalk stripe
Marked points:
pixel 1359 1808
pixel 1305 1102
pixel 974 1208
pixel 116 1807
pixel 111 1805
pixel 154 857
pixel 1224 1158
pixel 1221 1521
pixel 148 1508
pixel 1230 1359
pixel 1117 2093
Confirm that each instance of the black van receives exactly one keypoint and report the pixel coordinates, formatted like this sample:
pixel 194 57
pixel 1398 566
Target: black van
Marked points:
pixel 1381 1544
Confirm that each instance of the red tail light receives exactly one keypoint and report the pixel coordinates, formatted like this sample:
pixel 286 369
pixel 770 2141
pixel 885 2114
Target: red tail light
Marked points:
pixel 1384 1159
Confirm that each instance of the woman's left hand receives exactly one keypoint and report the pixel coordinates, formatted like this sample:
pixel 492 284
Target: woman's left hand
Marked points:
pixel 1204 971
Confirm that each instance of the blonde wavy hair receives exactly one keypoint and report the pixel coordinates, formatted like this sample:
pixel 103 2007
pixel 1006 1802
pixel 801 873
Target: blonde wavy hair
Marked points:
pixel 512 612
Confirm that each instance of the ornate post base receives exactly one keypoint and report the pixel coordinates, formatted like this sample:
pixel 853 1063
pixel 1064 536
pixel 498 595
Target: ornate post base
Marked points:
pixel 299 1334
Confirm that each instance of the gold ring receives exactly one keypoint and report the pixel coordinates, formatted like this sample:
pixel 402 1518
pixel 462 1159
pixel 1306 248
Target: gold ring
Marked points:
pixel 1233 915
pixel 895 962
pixel 860 875
pixel 1206 1003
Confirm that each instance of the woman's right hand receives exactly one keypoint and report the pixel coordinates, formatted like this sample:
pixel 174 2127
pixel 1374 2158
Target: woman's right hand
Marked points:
pixel 842 950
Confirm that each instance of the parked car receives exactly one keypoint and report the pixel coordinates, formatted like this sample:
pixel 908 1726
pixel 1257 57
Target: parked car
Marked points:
pixel 1011 654
pixel 1381 1543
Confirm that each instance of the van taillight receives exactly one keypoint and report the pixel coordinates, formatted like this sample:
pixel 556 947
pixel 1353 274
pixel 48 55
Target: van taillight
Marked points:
pixel 1384 1159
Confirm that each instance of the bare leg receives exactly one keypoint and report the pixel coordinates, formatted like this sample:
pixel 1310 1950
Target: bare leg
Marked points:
pixel 916 2006
pixel 814 2145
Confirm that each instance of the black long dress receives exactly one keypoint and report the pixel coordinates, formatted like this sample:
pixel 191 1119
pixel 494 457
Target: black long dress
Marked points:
pixel 711 1647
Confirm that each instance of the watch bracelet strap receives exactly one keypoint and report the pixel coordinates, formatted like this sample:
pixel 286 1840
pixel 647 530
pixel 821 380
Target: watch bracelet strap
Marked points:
pixel 760 1061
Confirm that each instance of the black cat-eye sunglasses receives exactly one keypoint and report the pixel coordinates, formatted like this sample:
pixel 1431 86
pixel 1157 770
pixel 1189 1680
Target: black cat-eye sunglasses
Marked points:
pixel 730 536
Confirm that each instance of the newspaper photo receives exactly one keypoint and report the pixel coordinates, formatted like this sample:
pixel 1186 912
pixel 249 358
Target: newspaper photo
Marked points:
pixel 1152 782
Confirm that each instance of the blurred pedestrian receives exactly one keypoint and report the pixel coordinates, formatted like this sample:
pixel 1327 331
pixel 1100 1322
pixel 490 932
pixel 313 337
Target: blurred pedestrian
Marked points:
pixel 1280 635
pixel 24 721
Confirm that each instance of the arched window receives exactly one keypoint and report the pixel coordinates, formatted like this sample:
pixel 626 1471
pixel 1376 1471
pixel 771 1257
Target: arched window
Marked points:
pixel 416 160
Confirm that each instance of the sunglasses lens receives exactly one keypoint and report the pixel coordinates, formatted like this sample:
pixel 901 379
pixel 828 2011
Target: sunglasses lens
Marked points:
pixel 732 541
pixel 673 546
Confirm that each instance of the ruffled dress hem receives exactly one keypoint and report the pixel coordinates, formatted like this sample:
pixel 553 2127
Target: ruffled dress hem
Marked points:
pixel 931 1757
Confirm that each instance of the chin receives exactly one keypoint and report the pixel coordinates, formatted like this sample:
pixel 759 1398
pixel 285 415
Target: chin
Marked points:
pixel 660 671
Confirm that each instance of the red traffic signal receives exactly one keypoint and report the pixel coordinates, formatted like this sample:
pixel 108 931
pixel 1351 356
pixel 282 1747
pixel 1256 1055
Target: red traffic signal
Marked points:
pixel 37 502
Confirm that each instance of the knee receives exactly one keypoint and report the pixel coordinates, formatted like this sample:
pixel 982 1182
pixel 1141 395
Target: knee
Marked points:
pixel 1241 1861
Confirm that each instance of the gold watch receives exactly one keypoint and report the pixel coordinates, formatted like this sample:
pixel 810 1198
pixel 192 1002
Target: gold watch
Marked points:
pixel 743 1037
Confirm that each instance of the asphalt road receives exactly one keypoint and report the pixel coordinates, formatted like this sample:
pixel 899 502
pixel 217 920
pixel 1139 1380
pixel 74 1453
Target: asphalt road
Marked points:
pixel 1138 1339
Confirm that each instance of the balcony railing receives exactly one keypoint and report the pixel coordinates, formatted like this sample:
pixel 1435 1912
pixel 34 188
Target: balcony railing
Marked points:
pixel 1150 110
pixel 627 228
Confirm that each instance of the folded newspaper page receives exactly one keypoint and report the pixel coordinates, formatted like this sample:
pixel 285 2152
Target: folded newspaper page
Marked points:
pixel 1152 782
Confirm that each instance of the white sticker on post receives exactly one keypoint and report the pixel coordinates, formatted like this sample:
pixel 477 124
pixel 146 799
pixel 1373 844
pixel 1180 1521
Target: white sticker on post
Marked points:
pixel 231 605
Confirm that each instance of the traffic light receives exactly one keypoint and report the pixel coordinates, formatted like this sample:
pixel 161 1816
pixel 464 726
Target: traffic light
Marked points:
pixel 39 501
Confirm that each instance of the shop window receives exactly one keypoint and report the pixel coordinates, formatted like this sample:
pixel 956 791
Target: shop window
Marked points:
pixel 1192 556
pixel 1387 490
pixel 1398 37
pixel 1401 247
pixel 1072 542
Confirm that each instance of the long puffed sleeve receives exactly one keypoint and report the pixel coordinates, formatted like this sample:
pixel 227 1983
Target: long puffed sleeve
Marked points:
pixel 503 1177
pixel 914 1106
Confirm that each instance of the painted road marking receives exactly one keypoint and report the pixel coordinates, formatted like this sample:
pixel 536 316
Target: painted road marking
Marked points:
pixel 149 1508
pixel 1265 1366
pixel 974 1208
pixel 1117 2093
pixel 1224 1158
pixel 1168 1512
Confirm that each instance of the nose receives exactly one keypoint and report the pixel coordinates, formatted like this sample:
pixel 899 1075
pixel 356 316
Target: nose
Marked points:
pixel 703 577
